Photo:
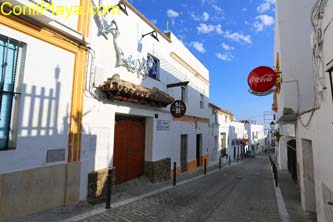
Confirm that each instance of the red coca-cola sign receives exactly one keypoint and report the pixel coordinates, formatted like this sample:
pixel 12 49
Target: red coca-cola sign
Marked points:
pixel 262 80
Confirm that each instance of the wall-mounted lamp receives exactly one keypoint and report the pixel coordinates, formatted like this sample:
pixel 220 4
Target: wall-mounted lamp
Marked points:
pixel 122 7
pixel 152 34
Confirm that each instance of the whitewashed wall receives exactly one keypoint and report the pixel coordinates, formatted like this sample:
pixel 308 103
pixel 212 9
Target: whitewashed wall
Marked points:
pixel 293 42
pixel 317 126
pixel 41 125
pixel 319 129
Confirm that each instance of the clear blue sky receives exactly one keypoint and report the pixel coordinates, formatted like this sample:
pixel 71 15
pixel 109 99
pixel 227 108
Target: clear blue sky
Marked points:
pixel 230 37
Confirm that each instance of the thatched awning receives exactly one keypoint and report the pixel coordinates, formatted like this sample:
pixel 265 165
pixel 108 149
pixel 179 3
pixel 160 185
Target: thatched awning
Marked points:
pixel 115 88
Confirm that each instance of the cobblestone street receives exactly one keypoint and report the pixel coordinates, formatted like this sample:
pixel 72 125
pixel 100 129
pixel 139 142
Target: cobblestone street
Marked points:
pixel 243 192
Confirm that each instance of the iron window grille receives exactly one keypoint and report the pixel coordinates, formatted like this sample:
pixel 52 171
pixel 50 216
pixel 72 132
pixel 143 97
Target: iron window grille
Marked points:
pixel 9 56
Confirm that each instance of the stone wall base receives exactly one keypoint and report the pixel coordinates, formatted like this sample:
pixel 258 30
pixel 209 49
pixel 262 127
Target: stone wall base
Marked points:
pixel 30 191
pixel 157 171
pixel 97 185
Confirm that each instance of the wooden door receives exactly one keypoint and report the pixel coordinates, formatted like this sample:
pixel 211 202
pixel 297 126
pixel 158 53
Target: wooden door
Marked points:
pixel 183 152
pixel 129 144
pixel 198 146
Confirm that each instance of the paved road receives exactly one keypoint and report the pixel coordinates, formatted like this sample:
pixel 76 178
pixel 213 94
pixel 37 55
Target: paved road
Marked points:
pixel 241 193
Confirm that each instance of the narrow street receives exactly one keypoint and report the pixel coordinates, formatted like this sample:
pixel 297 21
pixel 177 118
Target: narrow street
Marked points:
pixel 244 192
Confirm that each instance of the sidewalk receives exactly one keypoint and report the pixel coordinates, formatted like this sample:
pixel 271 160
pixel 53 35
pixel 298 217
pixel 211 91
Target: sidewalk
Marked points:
pixel 292 197
pixel 126 192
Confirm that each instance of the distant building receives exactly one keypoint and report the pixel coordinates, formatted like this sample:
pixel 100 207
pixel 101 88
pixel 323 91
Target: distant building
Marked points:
pixel 220 120
pixel 238 140
pixel 256 136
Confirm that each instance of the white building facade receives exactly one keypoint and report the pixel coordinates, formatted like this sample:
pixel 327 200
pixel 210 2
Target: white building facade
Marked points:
pixel 237 142
pixel 304 49
pixel 220 121
pixel 41 69
pixel 125 126
pixel 256 136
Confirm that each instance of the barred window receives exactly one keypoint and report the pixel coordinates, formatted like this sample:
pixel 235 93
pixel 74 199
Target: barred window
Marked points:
pixel 9 96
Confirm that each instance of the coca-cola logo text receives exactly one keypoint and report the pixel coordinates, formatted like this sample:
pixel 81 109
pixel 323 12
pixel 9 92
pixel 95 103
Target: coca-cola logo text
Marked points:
pixel 262 79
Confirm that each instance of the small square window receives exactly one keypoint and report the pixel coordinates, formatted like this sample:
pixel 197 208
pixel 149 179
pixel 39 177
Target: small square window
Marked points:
pixel 184 94
pixel 154 71
pixel 202 101
pixel 331 81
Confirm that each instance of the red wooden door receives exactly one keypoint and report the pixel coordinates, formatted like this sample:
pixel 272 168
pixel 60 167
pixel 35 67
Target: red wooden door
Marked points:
pixel 129 146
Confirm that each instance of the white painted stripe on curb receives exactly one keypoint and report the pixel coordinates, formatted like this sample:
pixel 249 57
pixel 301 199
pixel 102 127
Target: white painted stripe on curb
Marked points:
pixel 133 199
pixel 281 205
pixel 280 202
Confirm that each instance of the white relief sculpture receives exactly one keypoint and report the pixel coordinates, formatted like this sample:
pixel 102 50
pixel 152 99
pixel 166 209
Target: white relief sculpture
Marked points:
pixel 134 65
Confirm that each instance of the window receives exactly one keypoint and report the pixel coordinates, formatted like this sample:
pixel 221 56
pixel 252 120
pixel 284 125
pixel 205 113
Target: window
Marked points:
pixel 184 93
pixel 154 71
pixel 202 101
pixel 223 140
pixel 9 61
pixel 331 85
pixel 216 117
pixel 226 118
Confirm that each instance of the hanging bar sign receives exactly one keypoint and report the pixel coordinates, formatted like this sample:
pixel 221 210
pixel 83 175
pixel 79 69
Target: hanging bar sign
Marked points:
pixel 262 81
pixel 178 109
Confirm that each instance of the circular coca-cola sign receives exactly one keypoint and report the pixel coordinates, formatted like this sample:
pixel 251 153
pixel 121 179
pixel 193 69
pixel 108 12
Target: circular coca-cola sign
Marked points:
pixel 178 109
pixel 262 80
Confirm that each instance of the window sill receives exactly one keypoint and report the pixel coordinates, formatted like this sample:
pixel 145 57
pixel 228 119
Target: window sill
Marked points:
pixel 154 78
pixel 7 149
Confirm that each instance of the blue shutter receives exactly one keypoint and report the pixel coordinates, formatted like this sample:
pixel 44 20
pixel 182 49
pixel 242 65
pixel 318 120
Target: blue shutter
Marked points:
pixel 8 62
